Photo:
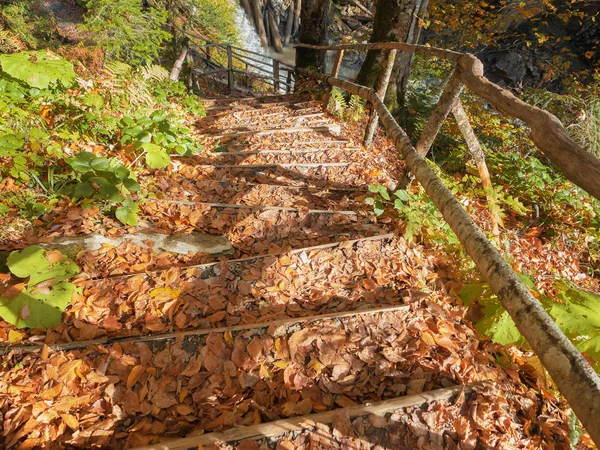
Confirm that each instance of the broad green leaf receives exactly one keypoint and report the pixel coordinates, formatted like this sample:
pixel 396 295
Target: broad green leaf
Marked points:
pixel 11 142
pixel 156 156
pixel 580 315
pixel 46 294
pixel 84 190
pixel 499 326
pixel 106 190
pixel 100 163
pixel 402 195
pixel 379 208
pixel 398 204
pixel 127 214
pixel 37 310
pixel 122 172
pixel 39 69
pixel 373 188
pixel 81 162
pixel 131 184
pixel 470 292
pixel 32 262
pixel 370 201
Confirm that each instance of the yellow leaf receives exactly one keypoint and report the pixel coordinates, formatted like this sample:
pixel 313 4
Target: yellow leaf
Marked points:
pixel 281 364
pixel 264 372
pixel 134 375
pixel 45 352
pixel 165 293
pixel 14 337
pixel 228 337
pixel 316 365
pixel 71 421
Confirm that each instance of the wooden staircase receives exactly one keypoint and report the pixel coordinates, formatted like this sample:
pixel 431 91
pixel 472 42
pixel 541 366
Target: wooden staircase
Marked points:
pixel 324 329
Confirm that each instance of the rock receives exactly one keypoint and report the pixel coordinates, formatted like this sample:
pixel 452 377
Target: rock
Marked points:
pixel 180 243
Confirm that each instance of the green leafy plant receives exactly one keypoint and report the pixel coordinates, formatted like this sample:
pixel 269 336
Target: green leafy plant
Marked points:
pixel 351 110
pixel 38 69
pixel 422 217
pixel 577 313
pixel 126 30
pixel 45 293
pixel 157 137
pixel 101 178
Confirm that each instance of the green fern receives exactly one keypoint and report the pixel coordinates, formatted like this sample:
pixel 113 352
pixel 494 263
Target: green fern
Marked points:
pixel 10 42
pixel 337 103
pixel 155 72
pixel 356 109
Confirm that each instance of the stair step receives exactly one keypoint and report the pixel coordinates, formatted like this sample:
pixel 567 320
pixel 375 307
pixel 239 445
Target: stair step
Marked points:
pixel 334 129
pixel 291 427
pixel 207 268
pixel 257 207
pixel 272 166
pixel 156 337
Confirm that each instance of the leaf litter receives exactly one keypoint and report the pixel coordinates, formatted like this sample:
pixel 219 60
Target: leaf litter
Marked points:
pixel 135 393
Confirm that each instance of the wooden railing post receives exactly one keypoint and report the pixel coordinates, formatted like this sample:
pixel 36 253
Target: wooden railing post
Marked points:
pixel 230 67
pixel 478 155
pixel 276 76
pixel 335 70
pixel 434 124
pixel 382 85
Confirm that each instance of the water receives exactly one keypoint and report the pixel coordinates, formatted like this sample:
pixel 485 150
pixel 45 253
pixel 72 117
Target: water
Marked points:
pixel 248 37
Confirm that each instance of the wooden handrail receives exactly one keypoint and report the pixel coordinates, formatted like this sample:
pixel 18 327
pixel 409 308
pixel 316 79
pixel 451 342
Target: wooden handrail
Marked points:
pixel 572 374
pixel 547 132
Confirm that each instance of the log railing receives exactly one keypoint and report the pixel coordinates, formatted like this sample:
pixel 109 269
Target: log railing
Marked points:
pixel 572 374
pixel 547 132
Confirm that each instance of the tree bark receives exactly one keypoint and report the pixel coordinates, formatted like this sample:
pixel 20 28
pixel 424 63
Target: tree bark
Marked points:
pixel 179 63
pixel 314 20
pixel 248 10
pixel 395 21
pixel 289 25
pixel 297 11
pixel 260 25
pixel 275 37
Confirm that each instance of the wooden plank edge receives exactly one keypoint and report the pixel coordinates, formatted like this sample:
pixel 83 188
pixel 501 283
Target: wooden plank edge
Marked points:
pixel 271 166
pixel 284 152
pixel 379 237
pixel 204 331
pixel 332 128
pixel 259 207
pixel 286 426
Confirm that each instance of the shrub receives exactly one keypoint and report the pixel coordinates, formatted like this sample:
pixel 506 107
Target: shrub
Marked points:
pixel 126 30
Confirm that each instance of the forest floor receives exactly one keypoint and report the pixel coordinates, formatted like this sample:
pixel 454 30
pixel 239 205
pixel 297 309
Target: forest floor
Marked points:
pixel 321 308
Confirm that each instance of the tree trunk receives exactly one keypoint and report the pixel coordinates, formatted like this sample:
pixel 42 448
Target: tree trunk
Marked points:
pixel 314 20
pixel 395 21
pixel 289 26
pixel 260 25
pixel 297 9
pixel 275 37
pixel 248 10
